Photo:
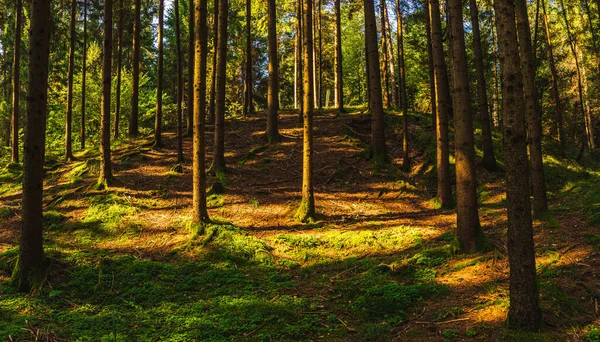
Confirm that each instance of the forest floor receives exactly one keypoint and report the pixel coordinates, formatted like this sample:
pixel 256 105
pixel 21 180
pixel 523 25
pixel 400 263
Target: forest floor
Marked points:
pixel 379 263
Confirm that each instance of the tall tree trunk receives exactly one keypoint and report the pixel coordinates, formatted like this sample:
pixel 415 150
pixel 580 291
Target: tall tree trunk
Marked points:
pixel 105 164
pixel 190 70
pixel 384 59
pixel 432 89
pixel 135 70
pixel 443 106
pixel 403 94
pixel 589 117
pixel 221 80
pixel 179 84
pixel 248 103
pixel 390 54
pixel 299 32
pixel 339 76
pixel 532 111
pixel 316 90
pixel 273 91
pixel 497 115
pixel 119 58
pixel 378 149
pixel 83 76
pixel 199 164
pixel 213 76
pixel 29 270
pixel 69 114
pixel 555 91
pixel 489 160
pixel 16 85
pixel 470 235
pixel 524 312
pixel 306 211
pixel 159 82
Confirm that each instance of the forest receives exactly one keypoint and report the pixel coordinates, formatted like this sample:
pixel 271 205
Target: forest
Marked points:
pixel 299 170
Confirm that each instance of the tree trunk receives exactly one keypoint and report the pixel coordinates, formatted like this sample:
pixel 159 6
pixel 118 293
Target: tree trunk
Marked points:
pixel 83 76
pixel 159 82
pixel 135 70
pixel 432 90
pixel 384 60
pixel 119 58
pixel 179 84
pixel 248 103
pixel 30 265
pixel 69 114
pixel 315 50
pixel 199 164
pixel 403 94
pixel 221 80
pixel 489 160
pixel 339 76
pixel 273 91
pixel 389 52
pixel 443 106
pixel 299 32
pixel 320 86
pixel 190 71
pixel 469 233
pixel 555 90
pixel 532 111
pixel 524 312
pixel 16 85
pixel 214 71
pixel 105 164
pixel 306 211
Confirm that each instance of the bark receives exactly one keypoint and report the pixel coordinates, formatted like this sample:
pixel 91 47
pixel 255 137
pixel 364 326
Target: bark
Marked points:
pixel 118 87
pixel 469 233
pixel 555 91
pixel 339 76
pixel 443 106
pixel 378 148
pixel 190 70
pixel 301 62
pixel 159 82
pixel 306 211
pixel 432 89
pixel 524 312
pixel 213 75
pixel 16 85
pixel 135 70
pixel 273 91
pixel 489 160
pixel 248 103
pixel 69 114
pixel 83 76
pixel 221 73
pixel 384 60
pixel 179 84
pixel 105 175
pixel 30 265
pixel 199 164
pixel 390 54
pixel 532 111
pixel 320 86
pixel 403 94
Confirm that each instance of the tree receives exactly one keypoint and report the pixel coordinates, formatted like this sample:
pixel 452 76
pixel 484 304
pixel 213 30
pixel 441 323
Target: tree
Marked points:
pixel 403 97
pixel 218 165
pixel 135 71
pixel 105 175
pixel 118 87
pixel 248 103
pixel 389 52
pixel 300 64
pixel 432 89
pixel 524 312
pixel 159 82
pixel 444 192
pixel 179 84
pixel 273 91
pixel 532 112
pixel 469 233
pixel 489 159
pixel 378 149
pixel 339 77
pixel 83 76
pixel 306 211
pixel 190 70
pixel 16 84
pixel 384 55
pixel 69 115
pixel 199 164
pixel 30 267
pixel 213 75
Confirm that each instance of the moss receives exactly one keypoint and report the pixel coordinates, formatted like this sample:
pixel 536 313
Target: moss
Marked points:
pixel 305 213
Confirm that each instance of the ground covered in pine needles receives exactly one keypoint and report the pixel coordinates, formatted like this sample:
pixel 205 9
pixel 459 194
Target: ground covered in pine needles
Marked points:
pixel 379 262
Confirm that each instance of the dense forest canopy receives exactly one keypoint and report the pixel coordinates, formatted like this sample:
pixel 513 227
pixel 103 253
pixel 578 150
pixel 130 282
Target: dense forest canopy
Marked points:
pixel 299 170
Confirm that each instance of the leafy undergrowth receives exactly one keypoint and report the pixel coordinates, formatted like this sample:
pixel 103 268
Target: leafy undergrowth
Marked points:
pixel 379 263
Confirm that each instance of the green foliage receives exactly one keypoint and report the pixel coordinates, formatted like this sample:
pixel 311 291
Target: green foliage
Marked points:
pixel 593 335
